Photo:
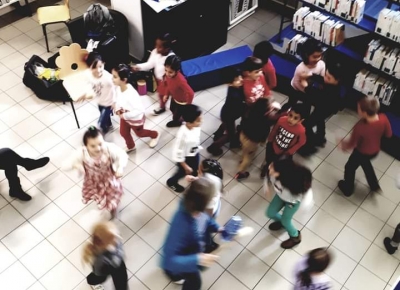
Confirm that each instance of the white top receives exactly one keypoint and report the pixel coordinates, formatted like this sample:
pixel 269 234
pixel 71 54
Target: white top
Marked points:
pixel 156 61
pixel 302 71
pixel 214 202
pixel 187 143
pixel 118 156
pixel 131 101
pixel 321 281
pixel 103 89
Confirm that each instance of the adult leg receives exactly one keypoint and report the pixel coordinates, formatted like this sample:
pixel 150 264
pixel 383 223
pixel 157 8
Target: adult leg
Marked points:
pixel 125 131
pixel 392 244
pixel 347 185
pixel 9 156
pixel 93 279
pixel 369 171
pixel 192 281
pixel 120 277
pixel 294 234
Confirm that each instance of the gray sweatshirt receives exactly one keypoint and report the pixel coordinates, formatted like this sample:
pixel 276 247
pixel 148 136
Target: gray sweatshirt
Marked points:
pixel 109 258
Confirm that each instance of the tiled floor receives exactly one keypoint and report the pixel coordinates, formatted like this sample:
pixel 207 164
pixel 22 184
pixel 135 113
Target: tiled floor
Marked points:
pixel 41 240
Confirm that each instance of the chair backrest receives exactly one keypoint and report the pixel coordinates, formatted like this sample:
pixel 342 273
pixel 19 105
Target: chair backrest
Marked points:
pixel 71 60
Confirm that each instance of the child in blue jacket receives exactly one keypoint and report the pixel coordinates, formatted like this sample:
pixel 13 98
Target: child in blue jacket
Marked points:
pixel 185 243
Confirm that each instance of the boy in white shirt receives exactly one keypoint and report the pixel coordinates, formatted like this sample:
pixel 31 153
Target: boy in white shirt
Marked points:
pixel 187 146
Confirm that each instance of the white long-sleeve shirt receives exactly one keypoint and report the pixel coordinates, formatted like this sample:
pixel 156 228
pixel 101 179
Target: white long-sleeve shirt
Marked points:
pixel 216 199
pixel 118 157
pixel 187 143
pixel 103 88
pixel 131 101
pixel 156 61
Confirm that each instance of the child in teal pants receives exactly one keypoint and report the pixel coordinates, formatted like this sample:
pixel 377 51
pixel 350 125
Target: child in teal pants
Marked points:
pixel 291 183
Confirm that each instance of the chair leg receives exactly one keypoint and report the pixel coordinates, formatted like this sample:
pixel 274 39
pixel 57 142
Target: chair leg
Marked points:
pixel 73 109
pixel 45 37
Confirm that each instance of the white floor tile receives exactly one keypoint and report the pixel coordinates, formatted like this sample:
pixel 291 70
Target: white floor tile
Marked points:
pixel 37 286
pixel 151 275
pixel 256 208
pixel 237 194
pixel 285 265
pixel 51 140
pixel 55 185
pixel 48 219
pixel 14 115
pixel 17 277
pixel 25 24
pixel 363 279
pixel 10 219
pixel 64 276
pixel 328 175
pixel 309 241
pixel 138 253
pixel 33 104
pixel 325 225
pixel 136 215
pixel 157 165
pixel 273 281
pixel 46 254
pixel 7 258
pixel 5 50
pixel 157 197
pixel 138 181
pixel 19 93
pixel 75 258
pixel 341 266
pixel 365 224
pixel 227 281
pixel 20 42
pixel 38 202
pixel 71 201
pixel 89 216
pixel 154 232
pixel 351 243
pixel 28 127
pixel 378 206
pixel 388 189
pixel 337 204
pixel 6 102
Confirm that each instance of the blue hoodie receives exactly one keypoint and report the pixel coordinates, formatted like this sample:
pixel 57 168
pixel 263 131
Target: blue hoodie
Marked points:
pixel 183 243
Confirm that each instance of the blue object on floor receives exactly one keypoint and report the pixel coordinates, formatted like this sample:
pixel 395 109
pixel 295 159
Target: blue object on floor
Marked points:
pixel 208 71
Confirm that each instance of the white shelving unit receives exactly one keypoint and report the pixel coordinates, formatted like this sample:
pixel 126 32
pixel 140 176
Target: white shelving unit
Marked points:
pixel 5 3
pixel 236 17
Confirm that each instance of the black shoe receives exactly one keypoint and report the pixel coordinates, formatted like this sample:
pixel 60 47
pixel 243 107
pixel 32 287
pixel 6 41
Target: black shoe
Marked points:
pixel 34 164
pixel 347 191
pixel 235 144
pixel 320 142
pixel 217 135
pixel 20 194
pixel 159 111
pixel 307 150
pixel 263 171
pixel 176 187
pixel 211 248
pixel 242 175
pixel 275 226
pixel 173 123
pixel 215 151
pixel 389 248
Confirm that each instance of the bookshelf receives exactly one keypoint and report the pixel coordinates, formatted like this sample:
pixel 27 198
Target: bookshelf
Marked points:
pixel 353 50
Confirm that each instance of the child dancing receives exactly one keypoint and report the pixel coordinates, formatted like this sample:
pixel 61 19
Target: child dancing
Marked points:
pixel 292 182
pixel 232 110
pixel 176 85
pixel 186 147
pixel 105 253
pixel 102 164
pixel 254 84
pixel 103 89
pixel 130 109
pixel 156 61
pixel 263 50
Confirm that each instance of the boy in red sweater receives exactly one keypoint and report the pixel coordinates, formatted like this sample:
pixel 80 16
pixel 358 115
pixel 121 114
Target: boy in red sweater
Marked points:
pixel 366 142
pixel 254 84
pixel 287 136
pixel 176 85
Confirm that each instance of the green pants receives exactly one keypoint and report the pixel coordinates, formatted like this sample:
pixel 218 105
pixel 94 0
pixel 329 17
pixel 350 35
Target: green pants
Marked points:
pixel 286 217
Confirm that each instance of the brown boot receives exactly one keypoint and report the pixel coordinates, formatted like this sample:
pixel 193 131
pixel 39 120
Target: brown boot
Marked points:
pixel 291 242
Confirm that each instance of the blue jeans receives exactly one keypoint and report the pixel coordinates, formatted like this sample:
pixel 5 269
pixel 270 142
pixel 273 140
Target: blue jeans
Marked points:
pixel 286 217
pixel 192 280
pixel 105 118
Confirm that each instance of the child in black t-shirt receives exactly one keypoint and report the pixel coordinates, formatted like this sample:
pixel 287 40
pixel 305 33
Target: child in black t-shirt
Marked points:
pixel 232 110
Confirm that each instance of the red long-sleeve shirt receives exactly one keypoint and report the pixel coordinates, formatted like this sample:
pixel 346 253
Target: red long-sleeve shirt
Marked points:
pixel 366 137
pixel 255 89
pixel 270 74
pixel 179 89
pixel 287 139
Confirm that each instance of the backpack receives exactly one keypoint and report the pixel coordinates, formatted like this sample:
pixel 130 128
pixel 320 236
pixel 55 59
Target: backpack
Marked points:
pixel 98 22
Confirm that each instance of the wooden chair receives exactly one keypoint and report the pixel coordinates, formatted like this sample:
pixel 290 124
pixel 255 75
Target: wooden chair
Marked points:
pixel 52 15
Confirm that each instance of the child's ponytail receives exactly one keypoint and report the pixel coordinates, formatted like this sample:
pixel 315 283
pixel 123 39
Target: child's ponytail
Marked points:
pixel 317 262
pixel 88 253
pixel 305 277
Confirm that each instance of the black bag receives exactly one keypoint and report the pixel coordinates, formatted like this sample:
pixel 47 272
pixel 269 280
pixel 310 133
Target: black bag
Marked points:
pixel 45 90
pixel 99 23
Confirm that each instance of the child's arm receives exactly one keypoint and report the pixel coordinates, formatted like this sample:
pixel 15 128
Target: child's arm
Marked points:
pixel 248 95
pixel 119 159
pixel 267 91
pixel 270 75
pixel 187 92
pixel 149 64
pixel 74 162
pixel 179 151
pixel 274 130
pixel 300 142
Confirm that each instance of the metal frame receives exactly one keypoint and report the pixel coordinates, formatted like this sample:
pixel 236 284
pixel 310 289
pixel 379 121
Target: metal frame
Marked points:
pixel 283 20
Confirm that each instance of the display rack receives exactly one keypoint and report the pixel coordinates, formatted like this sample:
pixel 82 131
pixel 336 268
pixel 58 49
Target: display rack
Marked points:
pixel 353 50
pixel 17 4
pixel 240 10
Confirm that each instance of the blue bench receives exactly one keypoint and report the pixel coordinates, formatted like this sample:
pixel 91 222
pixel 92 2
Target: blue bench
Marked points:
pixel 208 71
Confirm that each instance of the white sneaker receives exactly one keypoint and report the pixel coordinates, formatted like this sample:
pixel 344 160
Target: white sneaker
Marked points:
pixel 128 150
pixel 98 287
pixel 179 282
pixel 153 142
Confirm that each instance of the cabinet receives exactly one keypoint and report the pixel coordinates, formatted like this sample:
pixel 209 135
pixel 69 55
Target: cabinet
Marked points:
pixel 199 26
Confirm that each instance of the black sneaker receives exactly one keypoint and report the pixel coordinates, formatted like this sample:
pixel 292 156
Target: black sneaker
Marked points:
pixel 176 187
pixel 214 150
pixel 307 150
pixel 347 191
pixel 389 248
pixel 242 175
pixel 211 248
pixel 159 111
pixel 320 142
pixel 263 172
pixel 173 123
pixel 20 194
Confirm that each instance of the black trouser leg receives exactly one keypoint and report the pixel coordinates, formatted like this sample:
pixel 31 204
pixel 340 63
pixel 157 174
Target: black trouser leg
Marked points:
pixel 355 160
pixel 192 280
pixel 350 170
pixel 93 279
pixel 193 162
pixel 120 277
pixel 8 162
pixel 369 171
pixel 396 234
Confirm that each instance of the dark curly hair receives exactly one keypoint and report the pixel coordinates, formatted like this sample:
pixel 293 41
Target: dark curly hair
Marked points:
pixel 293 176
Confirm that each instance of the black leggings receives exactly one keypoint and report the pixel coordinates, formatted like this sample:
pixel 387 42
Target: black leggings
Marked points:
pixel 192 161
pixel 119 276
pixel 8 162
pixel 192 280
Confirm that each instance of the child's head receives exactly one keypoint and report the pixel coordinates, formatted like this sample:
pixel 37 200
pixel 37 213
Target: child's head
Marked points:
pixel 211 166
pixel 192 116
pixel 297 114
pixel 367 107
pixel 317 262
pixel 251 67
pixel 198 195
pixel 96 64
pixel 234 77
pixel 263 50
pixel 333 73
pixel 293 176
pixel 105 234
pixel 172 65
pixel 311 52
pixel 121 74
pixel 93 140
pixel 164 43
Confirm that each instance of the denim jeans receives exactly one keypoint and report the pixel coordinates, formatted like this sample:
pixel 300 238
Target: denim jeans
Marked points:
pixel 286 217
pixel 105 118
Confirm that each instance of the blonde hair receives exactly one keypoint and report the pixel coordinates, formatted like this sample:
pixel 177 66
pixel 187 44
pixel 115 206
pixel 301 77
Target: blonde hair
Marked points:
pixel 104 235
pixel 369 106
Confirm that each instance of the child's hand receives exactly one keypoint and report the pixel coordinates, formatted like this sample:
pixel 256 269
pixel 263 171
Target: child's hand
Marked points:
pixel 81 99
pixel 135 67
pixel 165 99
pixel 118 174
pixel 188 170
pixel 207 260
pixel 190 178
